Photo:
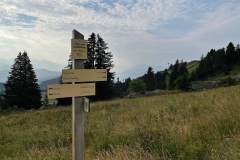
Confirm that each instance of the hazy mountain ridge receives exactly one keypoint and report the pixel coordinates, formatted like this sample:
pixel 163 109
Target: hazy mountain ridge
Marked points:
pixel 45 70
pixel 42 75
pixel 138 71
pixel 44 84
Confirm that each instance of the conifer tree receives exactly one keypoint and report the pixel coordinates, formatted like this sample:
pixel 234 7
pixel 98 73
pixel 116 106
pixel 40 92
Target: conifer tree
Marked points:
pixel 149 79
pixel 173 75
pixel 179 78
pixel 91 51
pixel 238 53
pixel 103 60
pixel 230 54
pixel 182 82
pixel 22 89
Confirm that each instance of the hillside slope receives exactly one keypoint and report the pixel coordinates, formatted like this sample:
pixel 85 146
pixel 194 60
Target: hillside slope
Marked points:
pixel 192 66
pixel 185 126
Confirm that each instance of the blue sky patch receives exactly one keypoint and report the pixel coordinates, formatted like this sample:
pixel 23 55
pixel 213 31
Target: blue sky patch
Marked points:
pixel 29 20
pixel 20 20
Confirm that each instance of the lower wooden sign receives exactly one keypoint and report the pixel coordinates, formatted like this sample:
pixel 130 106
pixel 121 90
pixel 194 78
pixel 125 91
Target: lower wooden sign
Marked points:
pixel 71 90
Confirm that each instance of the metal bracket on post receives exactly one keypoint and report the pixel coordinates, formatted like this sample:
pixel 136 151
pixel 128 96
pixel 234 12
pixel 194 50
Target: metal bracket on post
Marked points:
pixel 86 105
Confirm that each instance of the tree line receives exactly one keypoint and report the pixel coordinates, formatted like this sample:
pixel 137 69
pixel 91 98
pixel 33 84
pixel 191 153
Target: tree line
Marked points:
pixel 22 90
pixel 218 61
pixel 178 76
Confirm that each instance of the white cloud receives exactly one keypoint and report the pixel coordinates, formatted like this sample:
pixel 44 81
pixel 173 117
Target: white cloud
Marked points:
pixel 124 24
pixel 49 37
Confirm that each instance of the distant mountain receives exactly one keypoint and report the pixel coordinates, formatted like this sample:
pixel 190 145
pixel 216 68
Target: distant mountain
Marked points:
pixel 138 71
pixel 45 70
pixel 44 75
pixel 47 65
pixel 44 84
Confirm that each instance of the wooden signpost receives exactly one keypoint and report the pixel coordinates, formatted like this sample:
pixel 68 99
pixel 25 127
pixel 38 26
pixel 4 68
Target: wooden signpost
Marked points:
pixel 76 89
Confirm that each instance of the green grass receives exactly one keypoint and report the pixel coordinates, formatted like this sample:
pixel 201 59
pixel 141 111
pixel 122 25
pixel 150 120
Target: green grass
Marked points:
pixel 183 126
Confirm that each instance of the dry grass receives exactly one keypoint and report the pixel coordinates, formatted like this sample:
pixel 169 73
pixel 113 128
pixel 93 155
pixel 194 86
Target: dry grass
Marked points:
pixel 186 126
pixel 125 153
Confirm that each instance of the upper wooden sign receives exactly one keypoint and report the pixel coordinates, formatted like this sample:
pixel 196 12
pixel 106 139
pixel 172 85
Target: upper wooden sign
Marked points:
pixel 71 90
pixel 84 75
pixel 79 49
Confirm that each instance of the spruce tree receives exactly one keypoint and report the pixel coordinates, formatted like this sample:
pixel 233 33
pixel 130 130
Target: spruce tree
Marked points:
pixel 230 54
pixel 238 53
pixel 103 60
pixel 91 51
pixel 22 89
pixel 149 79
pixel 126 84
pixel 179 78
pixel 161 78
pixel 173 75
pixel 182 82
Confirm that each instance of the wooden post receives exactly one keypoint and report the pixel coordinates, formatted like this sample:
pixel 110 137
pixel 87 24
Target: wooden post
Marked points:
pixel 77 113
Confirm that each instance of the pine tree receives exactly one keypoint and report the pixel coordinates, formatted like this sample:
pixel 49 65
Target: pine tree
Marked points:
pixel 103 60
pixel 161 78
pixel 90 64
pixel 22 89
pixel 179 78
pixel 230 54
pixel 127 84
pixel 149 79
pixel 173 75
pixel 182 82
pixel 119 88
pixel 238 53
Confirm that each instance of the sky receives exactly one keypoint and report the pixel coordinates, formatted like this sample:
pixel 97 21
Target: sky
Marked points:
pixel 138 32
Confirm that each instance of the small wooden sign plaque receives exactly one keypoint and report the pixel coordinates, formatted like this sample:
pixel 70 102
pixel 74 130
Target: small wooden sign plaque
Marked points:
pixel 84 75
pixel 71 90
pixel 79 49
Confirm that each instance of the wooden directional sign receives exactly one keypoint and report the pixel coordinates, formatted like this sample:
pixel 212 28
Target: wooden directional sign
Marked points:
pixel 71 90
pixel 84 75
pixel 79 49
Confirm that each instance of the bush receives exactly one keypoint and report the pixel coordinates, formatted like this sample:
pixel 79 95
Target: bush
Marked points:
pixel 3 104
pixel 138 85
pixel 182 83
pixel 228 81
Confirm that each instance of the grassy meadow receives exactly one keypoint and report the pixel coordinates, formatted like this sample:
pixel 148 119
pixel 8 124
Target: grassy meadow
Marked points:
pixel 183 126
